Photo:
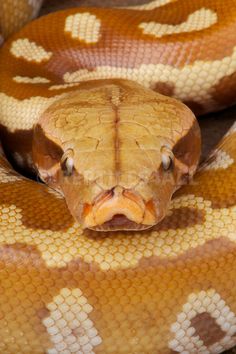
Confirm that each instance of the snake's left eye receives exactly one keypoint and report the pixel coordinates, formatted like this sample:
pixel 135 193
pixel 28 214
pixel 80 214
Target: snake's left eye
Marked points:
pixel 67 162
pixel 167 157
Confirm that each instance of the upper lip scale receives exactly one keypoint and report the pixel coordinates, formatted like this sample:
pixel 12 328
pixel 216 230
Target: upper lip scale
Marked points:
pixel 119 202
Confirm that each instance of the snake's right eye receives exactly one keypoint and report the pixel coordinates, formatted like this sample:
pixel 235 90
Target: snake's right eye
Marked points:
pixel 67 162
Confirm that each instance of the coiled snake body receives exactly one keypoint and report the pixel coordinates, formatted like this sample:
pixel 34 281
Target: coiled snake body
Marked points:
pixel 169 289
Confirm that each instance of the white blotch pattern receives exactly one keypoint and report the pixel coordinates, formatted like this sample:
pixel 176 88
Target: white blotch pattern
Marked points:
pixel 31 80
pixel 63 86
pixel 199 20
pixel 221 160
pixel 8 177
pixel 191 82
pixel 26 112
pixel 84 27
pixel 164 244
pixel 69 325
pixel 186 339
pixel 30 51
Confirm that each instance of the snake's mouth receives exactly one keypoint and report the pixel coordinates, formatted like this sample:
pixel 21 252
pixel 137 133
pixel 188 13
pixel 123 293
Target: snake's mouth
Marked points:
pixel 119 209
pixel 120 223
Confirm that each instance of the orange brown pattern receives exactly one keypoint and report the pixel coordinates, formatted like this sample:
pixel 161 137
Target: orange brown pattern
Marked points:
pixel 122 291
pixel 119 45
pixel 132 308
pixel 208 183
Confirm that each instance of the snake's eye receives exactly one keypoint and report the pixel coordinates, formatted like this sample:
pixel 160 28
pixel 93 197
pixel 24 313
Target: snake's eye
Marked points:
pixel 67 162
pixel 167 158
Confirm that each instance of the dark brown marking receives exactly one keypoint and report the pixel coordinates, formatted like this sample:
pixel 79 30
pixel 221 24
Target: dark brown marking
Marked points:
pixel 224 91
pixel 163 88
pixel 43 145
pixel 196 107
pixel 43 313
pixel 40 209
pixel 207 328
pixel 19 141
pixel 45 153
pixel 181 218
pixel 187 149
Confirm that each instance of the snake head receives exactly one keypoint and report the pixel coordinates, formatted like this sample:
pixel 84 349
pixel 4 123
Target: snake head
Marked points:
pixel 117 152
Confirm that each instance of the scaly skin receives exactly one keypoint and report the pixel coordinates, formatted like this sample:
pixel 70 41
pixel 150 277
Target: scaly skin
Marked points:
pixel 170 289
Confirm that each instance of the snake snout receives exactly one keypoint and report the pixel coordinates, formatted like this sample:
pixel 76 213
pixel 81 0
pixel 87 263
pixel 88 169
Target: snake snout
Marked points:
pixel 119 209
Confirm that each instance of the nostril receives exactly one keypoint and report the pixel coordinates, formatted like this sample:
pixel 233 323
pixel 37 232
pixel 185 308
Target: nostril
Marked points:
pixel 118 190
pixel 104 196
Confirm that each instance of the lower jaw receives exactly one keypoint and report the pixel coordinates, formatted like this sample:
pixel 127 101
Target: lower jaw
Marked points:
pixel 120 223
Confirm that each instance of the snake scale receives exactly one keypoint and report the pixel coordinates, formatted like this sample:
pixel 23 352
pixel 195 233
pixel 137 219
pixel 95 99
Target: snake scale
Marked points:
pixel 66 289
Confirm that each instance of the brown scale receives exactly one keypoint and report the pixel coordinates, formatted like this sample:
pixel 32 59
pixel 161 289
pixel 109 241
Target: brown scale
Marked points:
pixel 119 37
pixel 220 195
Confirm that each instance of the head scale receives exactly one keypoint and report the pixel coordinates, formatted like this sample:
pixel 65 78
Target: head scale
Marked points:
pixel 117 152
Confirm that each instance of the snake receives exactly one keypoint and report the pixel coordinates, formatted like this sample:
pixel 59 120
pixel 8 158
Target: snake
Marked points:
pixel 116 240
